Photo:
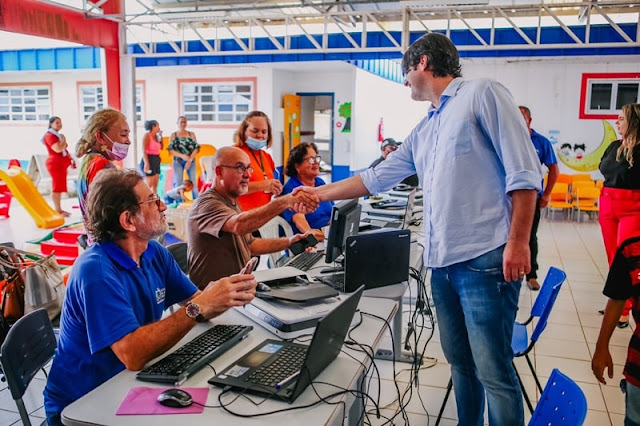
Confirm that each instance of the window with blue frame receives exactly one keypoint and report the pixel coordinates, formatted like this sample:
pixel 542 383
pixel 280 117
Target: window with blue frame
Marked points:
pixel 216 102
pixel 25 103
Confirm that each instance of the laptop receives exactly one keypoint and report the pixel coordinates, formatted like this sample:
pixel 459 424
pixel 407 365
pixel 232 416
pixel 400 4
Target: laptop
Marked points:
pixel 374 259
pixel 283 370
pixel 397 224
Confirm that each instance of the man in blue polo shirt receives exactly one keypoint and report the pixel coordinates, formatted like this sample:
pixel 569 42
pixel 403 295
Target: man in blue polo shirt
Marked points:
pixel 544 149
pixel 118 290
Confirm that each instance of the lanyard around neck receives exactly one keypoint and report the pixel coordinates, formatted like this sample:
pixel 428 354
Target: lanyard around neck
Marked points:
pixel 261 164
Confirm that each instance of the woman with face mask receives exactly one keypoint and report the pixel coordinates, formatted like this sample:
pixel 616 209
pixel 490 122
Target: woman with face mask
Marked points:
pixel 253 136
pixel 58 161
pixel 184 146
pixel 105 138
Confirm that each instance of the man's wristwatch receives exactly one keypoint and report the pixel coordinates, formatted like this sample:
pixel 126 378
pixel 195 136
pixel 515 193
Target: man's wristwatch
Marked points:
pixel 193 311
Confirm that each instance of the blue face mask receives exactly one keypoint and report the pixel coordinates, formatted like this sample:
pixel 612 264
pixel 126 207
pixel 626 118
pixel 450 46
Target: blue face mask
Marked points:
pixel 256 144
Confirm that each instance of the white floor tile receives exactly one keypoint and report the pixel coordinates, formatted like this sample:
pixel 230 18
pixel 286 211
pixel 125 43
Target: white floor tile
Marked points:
pixel 563 349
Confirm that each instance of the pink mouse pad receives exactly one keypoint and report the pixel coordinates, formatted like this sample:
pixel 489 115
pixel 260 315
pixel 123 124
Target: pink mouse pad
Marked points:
pixel 143 400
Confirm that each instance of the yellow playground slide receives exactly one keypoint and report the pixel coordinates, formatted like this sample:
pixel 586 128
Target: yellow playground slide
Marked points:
pixel 23 189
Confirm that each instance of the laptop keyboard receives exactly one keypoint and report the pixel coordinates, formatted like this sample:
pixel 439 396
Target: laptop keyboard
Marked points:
pixel 289 360
pixel 191 357
pixel 304 261
pixel 335 281
pixel 396 225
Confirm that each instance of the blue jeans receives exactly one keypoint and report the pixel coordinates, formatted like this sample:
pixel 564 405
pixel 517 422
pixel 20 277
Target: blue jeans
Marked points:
pixel 632 403
pixel 178 174
pixel 476 309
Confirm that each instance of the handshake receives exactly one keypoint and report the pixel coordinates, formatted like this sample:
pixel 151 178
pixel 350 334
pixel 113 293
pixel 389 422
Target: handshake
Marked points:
pixel 304 199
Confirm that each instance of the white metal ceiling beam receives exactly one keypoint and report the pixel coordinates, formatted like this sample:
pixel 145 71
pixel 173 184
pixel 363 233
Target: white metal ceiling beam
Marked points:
pixel 513 25
pixel 241 43
pixel 470 28
pixel 408 18
pixel 563 25
pixel 274 40
pixel 613 24
pixel 204 41
pixel 309 36
pixel 383 29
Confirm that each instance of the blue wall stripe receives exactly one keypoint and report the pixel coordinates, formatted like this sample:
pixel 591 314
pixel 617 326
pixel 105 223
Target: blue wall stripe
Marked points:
pixel 89 57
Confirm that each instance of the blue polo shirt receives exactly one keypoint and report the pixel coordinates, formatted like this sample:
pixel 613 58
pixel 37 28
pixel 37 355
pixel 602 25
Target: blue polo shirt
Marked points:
pixel 108 296
pixel 544 149
pixel 319 218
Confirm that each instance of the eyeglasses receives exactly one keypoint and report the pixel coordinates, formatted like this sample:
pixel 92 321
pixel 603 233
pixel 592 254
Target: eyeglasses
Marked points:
pixel 154 199
pixel 239 168
pixel 313 160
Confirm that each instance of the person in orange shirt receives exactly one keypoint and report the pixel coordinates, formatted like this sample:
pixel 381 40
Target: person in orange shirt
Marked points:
pixel 253 136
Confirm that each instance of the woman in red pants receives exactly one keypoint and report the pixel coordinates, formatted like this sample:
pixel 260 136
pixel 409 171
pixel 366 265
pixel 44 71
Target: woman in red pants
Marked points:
pixel 620 198
pixel 58 161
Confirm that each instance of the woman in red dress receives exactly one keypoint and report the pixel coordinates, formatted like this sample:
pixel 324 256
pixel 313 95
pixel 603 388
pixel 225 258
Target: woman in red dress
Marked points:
pixel 58 161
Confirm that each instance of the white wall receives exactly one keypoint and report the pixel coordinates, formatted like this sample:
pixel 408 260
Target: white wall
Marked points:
pixel 378 98
pixel 162 92
pixel 338 82
pixel 550 87
pixel 21 140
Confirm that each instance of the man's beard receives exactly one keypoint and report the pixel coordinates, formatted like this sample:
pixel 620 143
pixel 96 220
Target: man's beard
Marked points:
pixel 149 233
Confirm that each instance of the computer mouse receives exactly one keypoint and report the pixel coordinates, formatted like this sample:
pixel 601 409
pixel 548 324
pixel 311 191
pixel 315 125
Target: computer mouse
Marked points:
pixel 263 287
pixel 176 398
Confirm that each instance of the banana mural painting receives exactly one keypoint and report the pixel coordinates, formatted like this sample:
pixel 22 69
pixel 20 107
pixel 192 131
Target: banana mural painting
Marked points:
pixel 591 161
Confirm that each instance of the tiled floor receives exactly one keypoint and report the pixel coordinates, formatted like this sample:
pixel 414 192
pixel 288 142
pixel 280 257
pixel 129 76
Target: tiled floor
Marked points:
pixel 567 343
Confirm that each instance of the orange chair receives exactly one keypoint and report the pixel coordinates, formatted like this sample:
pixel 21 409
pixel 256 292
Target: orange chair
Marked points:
pixel 578 184
pixel 581 177
pixel 586 201
pixel 564 178
pixel 560 199
pixel 599 184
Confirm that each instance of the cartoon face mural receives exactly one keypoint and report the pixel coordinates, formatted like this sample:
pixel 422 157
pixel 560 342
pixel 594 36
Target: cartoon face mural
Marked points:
pixel 579 149
pixel 565 149
pixel 586 162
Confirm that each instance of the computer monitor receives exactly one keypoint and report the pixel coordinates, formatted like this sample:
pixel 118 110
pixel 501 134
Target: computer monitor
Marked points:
pixel 345 217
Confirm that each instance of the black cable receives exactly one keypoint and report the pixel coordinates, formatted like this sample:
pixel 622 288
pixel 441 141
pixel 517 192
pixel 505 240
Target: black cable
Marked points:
pixel 405 417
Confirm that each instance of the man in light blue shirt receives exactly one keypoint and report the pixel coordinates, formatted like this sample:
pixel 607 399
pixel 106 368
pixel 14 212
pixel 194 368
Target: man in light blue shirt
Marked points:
pixel 480 177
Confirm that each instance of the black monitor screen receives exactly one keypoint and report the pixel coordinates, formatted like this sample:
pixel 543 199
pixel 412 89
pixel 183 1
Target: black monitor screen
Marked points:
pixel 345 218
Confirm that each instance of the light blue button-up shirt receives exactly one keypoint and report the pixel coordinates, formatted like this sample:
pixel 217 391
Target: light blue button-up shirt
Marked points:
pixel 469 154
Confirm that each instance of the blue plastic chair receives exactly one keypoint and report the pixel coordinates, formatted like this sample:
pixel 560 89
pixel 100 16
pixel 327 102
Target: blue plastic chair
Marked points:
pixel 562 403
pixel 520 343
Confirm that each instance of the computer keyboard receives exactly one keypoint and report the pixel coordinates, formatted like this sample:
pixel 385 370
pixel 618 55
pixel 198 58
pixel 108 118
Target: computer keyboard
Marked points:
pixel 178 366
pixel 395 224
pixel 289 361
pixel 304 261
pixel 335 281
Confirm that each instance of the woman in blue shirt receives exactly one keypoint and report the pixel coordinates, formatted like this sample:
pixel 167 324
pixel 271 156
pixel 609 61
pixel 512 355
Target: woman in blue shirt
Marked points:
pixel 303 167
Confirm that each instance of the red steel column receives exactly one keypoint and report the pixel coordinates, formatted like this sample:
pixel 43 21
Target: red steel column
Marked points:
pixel 112 57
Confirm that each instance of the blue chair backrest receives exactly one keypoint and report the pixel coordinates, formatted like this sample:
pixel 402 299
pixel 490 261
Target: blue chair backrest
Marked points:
pixel 546 298
pixel 562 403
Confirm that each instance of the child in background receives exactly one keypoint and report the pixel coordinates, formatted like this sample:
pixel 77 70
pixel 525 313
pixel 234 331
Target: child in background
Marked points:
pixel 177 193
pixel 622 283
